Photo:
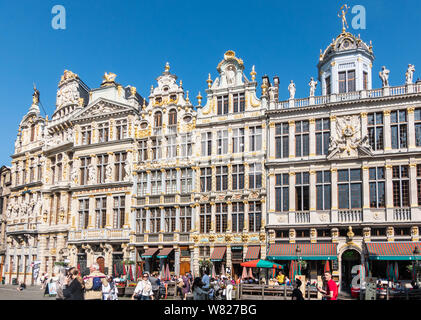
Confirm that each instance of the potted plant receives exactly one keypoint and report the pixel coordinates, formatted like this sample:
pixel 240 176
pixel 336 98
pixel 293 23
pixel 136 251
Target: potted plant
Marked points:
pixel 131 281
pixel 205 264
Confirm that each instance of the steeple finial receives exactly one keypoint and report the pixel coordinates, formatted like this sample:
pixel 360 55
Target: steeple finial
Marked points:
pixel 209 81
pixel 253 74
pixel 167 67
pixel 35 96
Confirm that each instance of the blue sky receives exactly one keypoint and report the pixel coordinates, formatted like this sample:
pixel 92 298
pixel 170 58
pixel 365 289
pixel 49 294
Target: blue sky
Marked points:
pixel 134 39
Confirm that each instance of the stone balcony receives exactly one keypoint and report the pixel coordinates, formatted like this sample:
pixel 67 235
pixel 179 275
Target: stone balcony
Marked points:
pixel 349 96
pixel 19 228
pixel 346 217
pixel 99 235
pixel 163 238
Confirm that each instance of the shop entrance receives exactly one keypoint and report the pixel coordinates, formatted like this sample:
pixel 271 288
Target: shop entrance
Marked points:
pixel 349 258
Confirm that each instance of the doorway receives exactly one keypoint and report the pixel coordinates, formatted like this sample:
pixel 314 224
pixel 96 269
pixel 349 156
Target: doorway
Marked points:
pixel 349 259
pixel 101 263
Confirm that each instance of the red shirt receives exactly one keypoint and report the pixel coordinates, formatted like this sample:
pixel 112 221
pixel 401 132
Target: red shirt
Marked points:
pixel 332 287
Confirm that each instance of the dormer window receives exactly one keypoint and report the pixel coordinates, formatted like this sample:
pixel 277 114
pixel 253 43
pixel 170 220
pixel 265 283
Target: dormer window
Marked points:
pixel 347 81
pixel 223 105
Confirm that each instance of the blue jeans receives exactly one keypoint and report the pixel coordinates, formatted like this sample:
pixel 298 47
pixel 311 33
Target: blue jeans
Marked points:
pixel 145 298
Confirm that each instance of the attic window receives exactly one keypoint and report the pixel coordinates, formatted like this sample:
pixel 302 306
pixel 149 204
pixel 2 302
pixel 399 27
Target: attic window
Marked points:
pixel 158 100
pixel 173 97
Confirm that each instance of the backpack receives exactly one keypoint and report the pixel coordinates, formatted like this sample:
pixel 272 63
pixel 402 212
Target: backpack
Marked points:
pixel 96 284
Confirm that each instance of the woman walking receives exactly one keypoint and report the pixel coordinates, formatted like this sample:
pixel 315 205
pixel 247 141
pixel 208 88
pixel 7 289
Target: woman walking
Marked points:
pixel 110 292
pixel 74 286
pixel 198 292
pixel 143 290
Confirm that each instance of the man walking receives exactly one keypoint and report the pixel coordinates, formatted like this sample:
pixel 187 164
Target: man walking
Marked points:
pixel 94 283
pixel 155 282
pixel 331 292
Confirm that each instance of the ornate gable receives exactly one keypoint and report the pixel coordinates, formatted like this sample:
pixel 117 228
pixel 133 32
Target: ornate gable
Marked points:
pixel 102 108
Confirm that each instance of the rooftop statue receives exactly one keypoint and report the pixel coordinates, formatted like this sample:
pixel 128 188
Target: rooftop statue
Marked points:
pixel 342 14
pixel 313 85
pixel 292 90
pixel 410 74
pixel 384 76
pixel 35 96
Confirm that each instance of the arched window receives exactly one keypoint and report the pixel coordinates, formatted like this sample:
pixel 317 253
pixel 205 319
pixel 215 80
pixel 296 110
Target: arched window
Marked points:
pixel 158 119
pixel 32 132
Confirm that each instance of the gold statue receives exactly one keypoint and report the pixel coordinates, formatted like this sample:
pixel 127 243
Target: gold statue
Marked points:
pixel 342 14
pixel 35 96
pixel 109 77
pixel 167 67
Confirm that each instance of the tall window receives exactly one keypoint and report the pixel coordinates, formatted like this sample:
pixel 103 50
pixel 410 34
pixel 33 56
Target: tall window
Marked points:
pixel 347 81
pixel 171 181
pixel 119 209
pixel 322 136
pixel 171 147
pixel 375 130
pixel 302 133
pixel 103 129
pixel 222 105
pixel 281 140
pixel 377 187
pixel 158 119
pixel 418 127
pixel 400 186
pixel 221 217
pixel 169 219
pixel 323 190
pixel 238 140
pixel 172 121
pixel 282 192
pixel 302 191
pixel 186 145
pixel 120 161
pixel 59 167
pixel 143 150
pixel 84 164
pixel 185 219
pixel 205 218
pixel 32 132
pixel 350 189
pixel 255 216
pixel 238 177
pixel 365 80
pixel 255 176
pixel 83 213
pixel 156 182
pixel 100 212
pixel 156 149
pixel 207 144
pixel 221 178
pixel 86 134
pixel 398 124
pixel 239 102
pixel 140 220
pixel 255 134
pixel 155 220
pixel 328 85
pixel 206 179
pixel 419 183
pixel 142 185
pixel 237 217
pixel 24 172
pixel 101 166
pixel 186 180
pixel 222 142
pixel 39 169
pixel 32 170
pixel 121 129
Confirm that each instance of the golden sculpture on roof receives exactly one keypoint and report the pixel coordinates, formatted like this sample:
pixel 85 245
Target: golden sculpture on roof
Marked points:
pixel 108 78
pixel 342 14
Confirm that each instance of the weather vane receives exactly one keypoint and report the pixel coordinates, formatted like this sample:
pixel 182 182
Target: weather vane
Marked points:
pixel 342 14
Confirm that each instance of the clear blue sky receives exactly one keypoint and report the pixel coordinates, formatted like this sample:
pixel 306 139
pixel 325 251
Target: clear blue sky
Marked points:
pixel 134 39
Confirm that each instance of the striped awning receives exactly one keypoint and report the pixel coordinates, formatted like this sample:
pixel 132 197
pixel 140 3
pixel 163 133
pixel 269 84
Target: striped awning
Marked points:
pixel 218 253
pixel 309 251
pixel 393 250
pixel 149 252
pixel 163 253
pixel 252 253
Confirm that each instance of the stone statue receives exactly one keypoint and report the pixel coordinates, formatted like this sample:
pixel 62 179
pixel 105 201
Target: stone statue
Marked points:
pixel 410 74
pixel 35 96
pixel 384 76
pixel 91 173
pixel 108 173
pixel 313 85
pixel 230 75
pixel 74 175
pixel 291 89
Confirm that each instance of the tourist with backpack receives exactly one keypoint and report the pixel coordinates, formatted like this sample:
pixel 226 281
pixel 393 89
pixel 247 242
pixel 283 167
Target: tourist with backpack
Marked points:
pixel 94 282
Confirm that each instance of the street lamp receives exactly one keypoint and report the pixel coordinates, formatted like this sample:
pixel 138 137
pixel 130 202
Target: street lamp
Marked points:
pixel 415 266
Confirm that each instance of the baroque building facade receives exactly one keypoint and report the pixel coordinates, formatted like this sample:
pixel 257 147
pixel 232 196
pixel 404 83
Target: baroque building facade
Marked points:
pixel 113 177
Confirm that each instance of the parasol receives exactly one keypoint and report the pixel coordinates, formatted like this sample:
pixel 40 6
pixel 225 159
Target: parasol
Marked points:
pixel 261 264
pixel 250 273
pixel 244 275
pixel 213 271
pixel 327 266
pixel 167 272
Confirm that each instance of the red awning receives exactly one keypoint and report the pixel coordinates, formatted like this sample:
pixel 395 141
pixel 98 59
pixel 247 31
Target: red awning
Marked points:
pixel 163 253
pixel 308 251
pixel 218 253
pixel 393 250
pixel 252 253
pixel 149 252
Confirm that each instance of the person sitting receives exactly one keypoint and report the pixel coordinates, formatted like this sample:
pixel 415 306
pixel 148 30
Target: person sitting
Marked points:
pixel 21 287
pixel 296 293
pixel 414 285
pixel 280 278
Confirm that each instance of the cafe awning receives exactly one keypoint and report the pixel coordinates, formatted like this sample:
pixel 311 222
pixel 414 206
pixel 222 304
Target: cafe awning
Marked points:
pixel 163 253
pixel 252 253
pixel 149 252
pixel 308 251
pixel 393 250
pixel 218 253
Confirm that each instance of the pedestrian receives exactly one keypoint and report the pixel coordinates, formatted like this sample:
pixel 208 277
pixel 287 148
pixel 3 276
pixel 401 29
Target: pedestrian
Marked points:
pixel 331 292
pixel 296 293
pixel 228 287
pixel 94 282
pixel 155 282
pixel 199 293
pixel 61 282
pixel 205 280
pixel 186 286
pixel 74 286
pixel 143 290
pixel 190 278
pixel 180 286
pixel 110 292
pixel 43 279
pixel 21 286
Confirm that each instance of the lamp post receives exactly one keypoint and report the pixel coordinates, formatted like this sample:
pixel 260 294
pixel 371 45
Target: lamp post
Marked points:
pixel 415 266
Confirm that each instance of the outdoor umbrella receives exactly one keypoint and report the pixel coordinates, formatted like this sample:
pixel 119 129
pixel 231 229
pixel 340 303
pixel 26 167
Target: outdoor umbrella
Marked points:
pixel 167 272
pixel 390 272
pixel 244 275
pixel 396 271
pixel 124 269
pixel 261 264
pixel 213 271
pixel 292 270
pixel 327 266
pixel 250 273
pixel 223 271
pixel 130 273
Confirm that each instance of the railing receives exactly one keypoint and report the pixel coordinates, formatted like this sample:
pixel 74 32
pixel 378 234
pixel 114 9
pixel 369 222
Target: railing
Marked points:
pixel 185 198
pixel 321 100
pixel 302 217
pixel 30 226
pixel 172 129
pixel 140 238
pixel 153 238
pixel 348 96
pixel 272 292
pixel 99 234
pixel 168 237
pixel 375 93
pixel 403 214
pixel 169 199
pixel 350 216
pixel 397 91
pixel 154 200
pixel 184 237
pixel 157 131
pixel 301 103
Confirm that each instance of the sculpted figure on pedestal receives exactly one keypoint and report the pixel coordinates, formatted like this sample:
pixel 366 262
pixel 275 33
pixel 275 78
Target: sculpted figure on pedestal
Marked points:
pixel 384 76
pixel 313 85
pixel 410 74
pixel 291 89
